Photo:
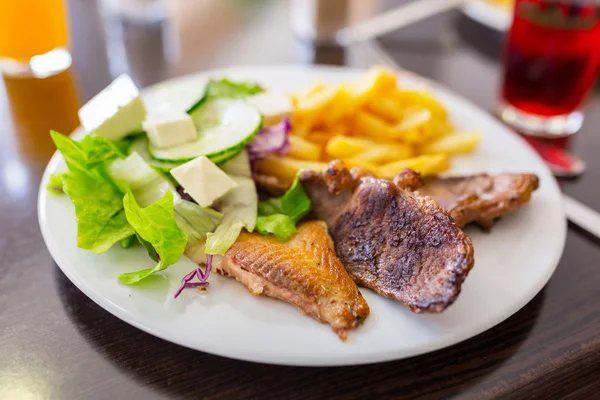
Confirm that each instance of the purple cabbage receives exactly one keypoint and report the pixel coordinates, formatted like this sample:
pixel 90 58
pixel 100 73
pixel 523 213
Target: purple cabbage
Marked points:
pixel 196 273
pixel 271 140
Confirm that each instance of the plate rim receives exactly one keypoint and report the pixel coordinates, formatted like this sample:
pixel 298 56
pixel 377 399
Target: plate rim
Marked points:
pixel 129 317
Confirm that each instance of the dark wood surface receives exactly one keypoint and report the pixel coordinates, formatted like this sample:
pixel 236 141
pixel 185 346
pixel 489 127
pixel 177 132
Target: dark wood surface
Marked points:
pixel 55 343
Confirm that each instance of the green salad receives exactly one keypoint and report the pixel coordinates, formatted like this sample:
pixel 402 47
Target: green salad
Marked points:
pixel 177 182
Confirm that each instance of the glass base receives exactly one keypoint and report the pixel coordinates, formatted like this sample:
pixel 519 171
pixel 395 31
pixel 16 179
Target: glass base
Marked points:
pixel 541 126
pixel 40 66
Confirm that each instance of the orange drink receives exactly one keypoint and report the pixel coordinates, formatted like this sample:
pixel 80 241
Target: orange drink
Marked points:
pixel 38 105
pixel 31 27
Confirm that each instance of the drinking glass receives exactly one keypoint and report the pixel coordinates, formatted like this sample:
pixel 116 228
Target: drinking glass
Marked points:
pixel 33 37
pixel 551 58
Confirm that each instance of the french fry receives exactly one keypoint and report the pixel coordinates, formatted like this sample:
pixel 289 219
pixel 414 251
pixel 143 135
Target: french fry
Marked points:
pixel 318 137
pixel 312 105
pixel 411 127
pixel 301 126
pixel 367 124
pixel 370 85
pixel 421 98
pixel 285 168
pixel 426 165
pixel 366 150
pixel 454 144
pixel 437 128
pixel 385 78
pixel 303 149
pixel 370 122
pixel 344 128
pixel 386 108
pixel 311 90
pixel 356 94
pixel 372 168
pixel 339 109
pixel 345 147
pixel 382 153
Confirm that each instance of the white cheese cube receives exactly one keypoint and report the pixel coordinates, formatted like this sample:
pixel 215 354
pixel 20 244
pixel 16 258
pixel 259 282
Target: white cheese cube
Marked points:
pixel 272 105
pixel 203 180
pixel 170 128
pixel 115 112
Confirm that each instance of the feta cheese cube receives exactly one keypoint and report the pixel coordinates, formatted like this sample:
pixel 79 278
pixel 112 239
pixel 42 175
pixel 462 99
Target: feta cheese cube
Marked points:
pixel 203 180
pixel 116 111
pixel 272 105
pixel 170 128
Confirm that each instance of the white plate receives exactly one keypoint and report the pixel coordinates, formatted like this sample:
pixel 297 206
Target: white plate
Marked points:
pixel 495 17
pixel 512 265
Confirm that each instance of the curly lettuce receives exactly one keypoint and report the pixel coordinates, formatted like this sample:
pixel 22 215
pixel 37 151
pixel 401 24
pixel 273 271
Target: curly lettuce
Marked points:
pixel 156 225
pixel 97 198
pixel 278 216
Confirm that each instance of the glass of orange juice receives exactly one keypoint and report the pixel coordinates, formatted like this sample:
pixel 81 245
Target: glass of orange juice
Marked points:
pixel 33 37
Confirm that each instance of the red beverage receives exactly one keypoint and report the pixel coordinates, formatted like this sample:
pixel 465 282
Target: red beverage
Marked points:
pixel 551 59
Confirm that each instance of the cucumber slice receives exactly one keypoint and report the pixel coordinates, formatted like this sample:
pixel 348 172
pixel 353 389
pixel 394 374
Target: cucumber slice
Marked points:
pixel 140 146
pixel 238 166
pixel 194 107
pixel 224 126
pixel 224 158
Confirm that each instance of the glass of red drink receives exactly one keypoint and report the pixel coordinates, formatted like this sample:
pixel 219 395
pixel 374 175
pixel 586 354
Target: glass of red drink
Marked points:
pixel 552 55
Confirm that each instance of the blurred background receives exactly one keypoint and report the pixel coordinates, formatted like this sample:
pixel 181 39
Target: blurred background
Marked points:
pixel 87 43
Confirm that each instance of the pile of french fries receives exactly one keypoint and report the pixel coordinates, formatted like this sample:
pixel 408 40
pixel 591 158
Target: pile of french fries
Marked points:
pixel 369 123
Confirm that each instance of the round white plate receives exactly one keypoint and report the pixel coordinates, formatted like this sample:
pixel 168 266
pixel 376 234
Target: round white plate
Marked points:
pixel 495 17
pixel 512 263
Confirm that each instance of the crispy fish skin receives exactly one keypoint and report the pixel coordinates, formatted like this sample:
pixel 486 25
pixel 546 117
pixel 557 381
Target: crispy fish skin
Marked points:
pixel 390 240
pixel 304 271
pixel 480 198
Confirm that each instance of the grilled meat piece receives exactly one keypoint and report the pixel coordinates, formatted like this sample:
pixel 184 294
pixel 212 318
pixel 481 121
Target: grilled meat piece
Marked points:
pixel 480 198
pixel 399 244
pixel 408 179
pixel 304 271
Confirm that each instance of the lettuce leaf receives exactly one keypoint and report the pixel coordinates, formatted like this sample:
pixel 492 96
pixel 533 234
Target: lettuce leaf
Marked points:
pixel 88 153
pixel 295 202
pixel 239 211
pixel 221 240
pixel 98 202
pixel 195 221
pixel 280 225
pixel 226 88
pixel 279 215
pixel 146 184
pixel 127 242
pixel 156 225
pixel 55 184
pixel 97 198
pixel 239 207
pixel 149 248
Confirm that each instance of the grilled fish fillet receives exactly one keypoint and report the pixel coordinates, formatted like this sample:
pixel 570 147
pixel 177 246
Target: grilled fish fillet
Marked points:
pixel 399 244
pixel 304 271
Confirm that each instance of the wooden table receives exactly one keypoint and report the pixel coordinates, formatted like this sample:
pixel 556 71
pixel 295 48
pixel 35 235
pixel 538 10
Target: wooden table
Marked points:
pixel 55 343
